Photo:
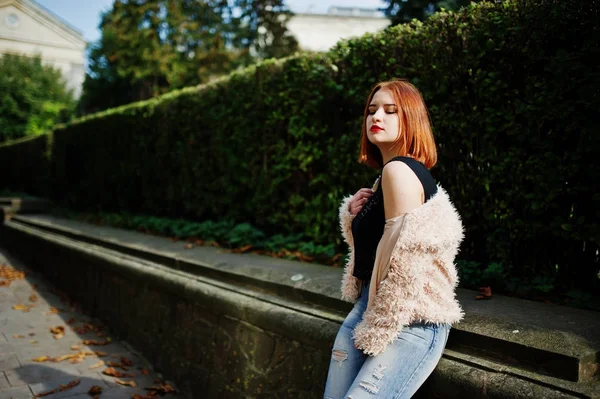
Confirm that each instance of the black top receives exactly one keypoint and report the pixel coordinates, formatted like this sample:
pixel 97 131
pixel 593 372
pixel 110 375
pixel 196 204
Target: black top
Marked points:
pixel 368 224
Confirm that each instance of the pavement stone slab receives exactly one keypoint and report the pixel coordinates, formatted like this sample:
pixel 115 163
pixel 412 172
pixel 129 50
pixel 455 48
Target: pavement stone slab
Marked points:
pixel 8 362
pixel 16 393
pixel 4 381
pixel 85 383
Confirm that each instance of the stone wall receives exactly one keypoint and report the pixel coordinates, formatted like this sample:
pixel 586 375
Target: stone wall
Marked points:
pixel 224 325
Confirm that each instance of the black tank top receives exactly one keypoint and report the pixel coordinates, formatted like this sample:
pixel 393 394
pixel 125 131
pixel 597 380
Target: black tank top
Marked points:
pixel 368 224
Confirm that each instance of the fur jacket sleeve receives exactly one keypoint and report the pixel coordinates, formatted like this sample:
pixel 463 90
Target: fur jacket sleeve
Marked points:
pixel 414 276
pixel 348 293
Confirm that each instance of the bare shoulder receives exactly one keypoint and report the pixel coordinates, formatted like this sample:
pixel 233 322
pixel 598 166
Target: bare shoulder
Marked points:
pixel 402 189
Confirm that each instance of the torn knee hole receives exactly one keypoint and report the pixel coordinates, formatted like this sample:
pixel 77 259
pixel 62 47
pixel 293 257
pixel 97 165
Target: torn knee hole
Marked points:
pixel 339 355
pixel 369 386
pixel 378 372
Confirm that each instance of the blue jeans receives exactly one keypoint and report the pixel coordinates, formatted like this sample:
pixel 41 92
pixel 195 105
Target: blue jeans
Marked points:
pixel 395 373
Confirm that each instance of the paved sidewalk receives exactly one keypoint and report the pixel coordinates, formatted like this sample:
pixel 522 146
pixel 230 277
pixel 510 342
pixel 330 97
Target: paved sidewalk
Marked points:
pixel 29 308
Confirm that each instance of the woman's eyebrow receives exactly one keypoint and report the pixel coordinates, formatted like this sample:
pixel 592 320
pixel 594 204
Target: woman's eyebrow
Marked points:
pixel 385 105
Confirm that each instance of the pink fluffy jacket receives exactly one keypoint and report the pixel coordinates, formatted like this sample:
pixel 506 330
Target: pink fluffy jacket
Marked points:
pixel 414 276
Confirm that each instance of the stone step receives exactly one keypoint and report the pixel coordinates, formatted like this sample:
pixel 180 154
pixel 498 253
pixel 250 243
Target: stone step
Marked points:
pixel 459 374
pixel 551 340
pixel 14 205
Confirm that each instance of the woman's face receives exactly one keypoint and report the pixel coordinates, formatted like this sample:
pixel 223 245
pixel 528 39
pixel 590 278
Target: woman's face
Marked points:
pixel 382 120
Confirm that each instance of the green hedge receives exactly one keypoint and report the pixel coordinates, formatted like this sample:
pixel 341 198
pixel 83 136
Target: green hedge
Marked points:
pixel 513 93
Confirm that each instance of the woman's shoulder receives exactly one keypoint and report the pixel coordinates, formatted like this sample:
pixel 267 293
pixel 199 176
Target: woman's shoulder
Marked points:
pixel 402 189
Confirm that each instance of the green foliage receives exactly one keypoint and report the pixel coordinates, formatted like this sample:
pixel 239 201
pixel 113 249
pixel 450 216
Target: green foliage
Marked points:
pixel 223 233
pixel 33 97
pixel 402 11
pixel 149 47
pixel 512 92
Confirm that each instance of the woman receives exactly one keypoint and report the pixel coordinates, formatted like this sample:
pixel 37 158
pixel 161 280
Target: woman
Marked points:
pixel 403 234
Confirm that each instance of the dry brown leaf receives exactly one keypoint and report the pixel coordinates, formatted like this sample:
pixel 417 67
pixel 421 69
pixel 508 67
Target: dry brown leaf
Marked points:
pixel 33 341
pixel 126 361
pixel 144 371
pixel 95 390
pixel 188 246
pixel 4 283
pixel 31 334
pixel 24 308
pixel 129 383
pixel 64 357
pixel 117 364
pixel 485 293
pixel 53 310
pixel 162 388
pixel 114 373
pixel 62 388
pixel 57 332
pixel 136 396
pixel 100 354
pixel 75 347
pixel 71 321
pixel 96 365
pixel 33 297
pixel 9 273
pixel 18 336
pixel 42 359
pixel 96 342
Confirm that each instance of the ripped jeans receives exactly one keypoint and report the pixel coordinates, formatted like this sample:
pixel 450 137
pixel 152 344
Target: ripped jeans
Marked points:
pixel 396 373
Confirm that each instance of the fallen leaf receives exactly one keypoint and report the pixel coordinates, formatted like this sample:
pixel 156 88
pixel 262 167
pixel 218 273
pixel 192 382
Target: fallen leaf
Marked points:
pixel 24 308
pixel 4 283
pixel 101 354
pixel 136 396
pixel 62 388
pixel 126 362
pixel 33 297
pixel 53 310
pixel 57 332
pixel 64 357
pixel 129 383
pixel 71 321
pixel 75 347
pixel 242 249
pixel 41 359
pixel 144 372
pixel 96 342
pixel 162 388
pixel 117 364
pixel 18 336
pixel 96 365
pixel 9 273
pixel 33 341
pixel 485 293
pixel 188 246
pixel 31 334
pixel 114 373
pixel 95 390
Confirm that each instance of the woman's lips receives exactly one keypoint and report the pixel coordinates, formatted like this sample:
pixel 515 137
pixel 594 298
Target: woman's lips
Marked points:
pixel 376 129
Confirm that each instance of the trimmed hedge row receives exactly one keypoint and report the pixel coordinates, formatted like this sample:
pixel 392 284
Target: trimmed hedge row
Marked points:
pixel 513 95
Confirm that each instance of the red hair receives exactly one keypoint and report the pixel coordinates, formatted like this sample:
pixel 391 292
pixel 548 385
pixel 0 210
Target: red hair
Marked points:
pixel 416 137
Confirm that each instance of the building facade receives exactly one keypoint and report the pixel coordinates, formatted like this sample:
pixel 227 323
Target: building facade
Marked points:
pixel 29 29
pixel 320 32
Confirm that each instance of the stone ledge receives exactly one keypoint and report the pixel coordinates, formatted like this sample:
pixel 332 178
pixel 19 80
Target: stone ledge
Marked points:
pixel 551 340
pixel 455 342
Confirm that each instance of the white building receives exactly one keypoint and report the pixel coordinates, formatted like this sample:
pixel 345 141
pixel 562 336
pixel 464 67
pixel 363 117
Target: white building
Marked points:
pixel 319 32
pixel 29 29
